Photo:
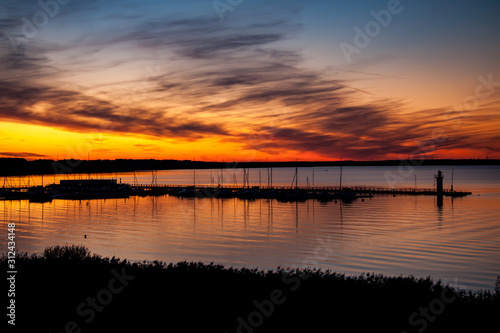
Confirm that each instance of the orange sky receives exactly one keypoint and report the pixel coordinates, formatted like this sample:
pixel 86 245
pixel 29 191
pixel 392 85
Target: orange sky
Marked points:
pixel 252 87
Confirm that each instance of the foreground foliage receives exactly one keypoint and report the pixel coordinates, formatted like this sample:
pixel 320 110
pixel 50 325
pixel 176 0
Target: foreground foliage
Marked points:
pixel 68 289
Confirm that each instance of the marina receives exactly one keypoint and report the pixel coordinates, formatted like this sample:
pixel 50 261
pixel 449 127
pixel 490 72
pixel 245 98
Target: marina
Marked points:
pixel 78 189
pixel 390 233
pixel 250 166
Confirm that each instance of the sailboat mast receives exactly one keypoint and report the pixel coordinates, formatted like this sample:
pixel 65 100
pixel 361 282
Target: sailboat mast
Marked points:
pixel 340 176
pixel 296 178
pixel 452 171
pixel 271 177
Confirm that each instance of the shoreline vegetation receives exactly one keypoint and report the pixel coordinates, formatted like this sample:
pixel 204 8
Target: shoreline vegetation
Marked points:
pixel 21 166
pixel 68 289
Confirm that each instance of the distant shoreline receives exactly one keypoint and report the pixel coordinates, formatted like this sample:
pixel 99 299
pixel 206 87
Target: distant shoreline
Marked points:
pixel 23 167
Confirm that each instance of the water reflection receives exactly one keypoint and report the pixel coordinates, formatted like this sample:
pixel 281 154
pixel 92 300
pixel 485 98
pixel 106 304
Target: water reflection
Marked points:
pixel 439 204
pixel 386 234
pixel 439 200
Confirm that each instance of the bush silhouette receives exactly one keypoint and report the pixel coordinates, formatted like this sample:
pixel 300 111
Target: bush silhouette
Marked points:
pixel 56 288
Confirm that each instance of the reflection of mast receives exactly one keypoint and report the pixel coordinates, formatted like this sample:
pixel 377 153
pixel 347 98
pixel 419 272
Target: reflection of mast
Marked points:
pixel 296 216
pixel 29 213
pixel 42 210
pixel 135 205
pixel 246 210
pixel 211 207
pixel 314 211
pixel 341 216
pixel 153 201
pixel 270 215
pixel 260 211
pixel 220 211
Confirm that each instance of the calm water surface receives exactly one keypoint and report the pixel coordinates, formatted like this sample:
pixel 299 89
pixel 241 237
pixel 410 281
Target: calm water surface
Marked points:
pixel 410 235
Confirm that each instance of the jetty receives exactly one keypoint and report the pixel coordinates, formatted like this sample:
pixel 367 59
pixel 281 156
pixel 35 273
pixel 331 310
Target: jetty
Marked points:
pixel 110 188
pixel 292 191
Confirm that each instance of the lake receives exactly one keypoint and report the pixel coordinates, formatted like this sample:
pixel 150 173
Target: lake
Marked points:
pixel 458 242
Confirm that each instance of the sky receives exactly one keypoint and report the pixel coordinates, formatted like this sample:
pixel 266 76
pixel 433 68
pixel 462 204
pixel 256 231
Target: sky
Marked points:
pixel 249 80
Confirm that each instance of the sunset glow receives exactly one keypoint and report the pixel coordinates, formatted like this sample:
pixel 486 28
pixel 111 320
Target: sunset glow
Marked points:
pixel 262 81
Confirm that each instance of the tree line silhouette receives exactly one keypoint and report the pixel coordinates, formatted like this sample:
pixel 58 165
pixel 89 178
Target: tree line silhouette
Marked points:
pixel 21 166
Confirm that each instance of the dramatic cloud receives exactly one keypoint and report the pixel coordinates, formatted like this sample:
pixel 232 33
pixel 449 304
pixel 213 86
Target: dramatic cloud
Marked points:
pixel 189 77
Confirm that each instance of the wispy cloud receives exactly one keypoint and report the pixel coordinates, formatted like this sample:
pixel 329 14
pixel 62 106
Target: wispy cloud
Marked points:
pixel 227 81
pixel 22 155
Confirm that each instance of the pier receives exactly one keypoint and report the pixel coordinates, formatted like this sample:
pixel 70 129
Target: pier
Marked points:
pixel 112 189
pixel 295 192
pixel 358 189
pixel 78 189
